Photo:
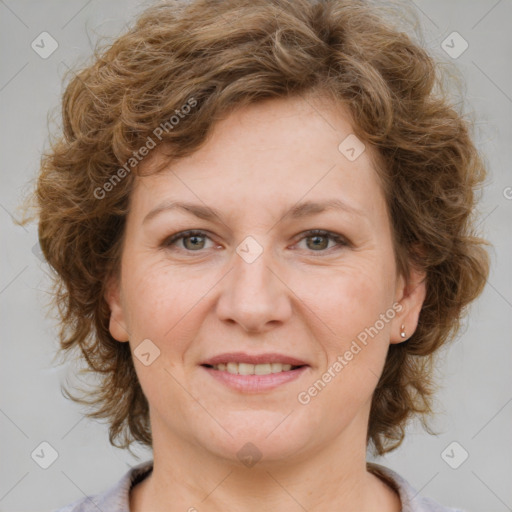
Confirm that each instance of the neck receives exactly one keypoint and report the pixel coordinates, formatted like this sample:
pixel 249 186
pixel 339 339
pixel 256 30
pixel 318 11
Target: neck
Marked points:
pixel 186 477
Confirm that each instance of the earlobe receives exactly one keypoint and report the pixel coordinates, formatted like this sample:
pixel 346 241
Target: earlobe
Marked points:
pixel 117 326
pixel 411 295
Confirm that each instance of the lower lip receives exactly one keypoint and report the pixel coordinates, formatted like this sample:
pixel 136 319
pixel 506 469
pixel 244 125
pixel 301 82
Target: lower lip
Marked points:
pixel 255 383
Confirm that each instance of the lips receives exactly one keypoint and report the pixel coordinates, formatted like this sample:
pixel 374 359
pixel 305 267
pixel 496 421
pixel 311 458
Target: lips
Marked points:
pixel 253 374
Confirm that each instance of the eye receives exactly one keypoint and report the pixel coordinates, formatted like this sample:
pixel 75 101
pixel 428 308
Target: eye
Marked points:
pixel 318 234
pixel 194 239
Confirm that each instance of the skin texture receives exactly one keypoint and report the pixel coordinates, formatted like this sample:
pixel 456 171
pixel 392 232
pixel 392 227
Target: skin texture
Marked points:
pixel 198 298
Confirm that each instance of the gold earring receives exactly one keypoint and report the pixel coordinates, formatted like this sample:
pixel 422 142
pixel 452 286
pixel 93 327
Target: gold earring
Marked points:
pixel 402 331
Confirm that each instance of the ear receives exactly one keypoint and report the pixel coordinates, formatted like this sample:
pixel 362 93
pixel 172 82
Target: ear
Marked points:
pixel 410 294
pixel 117 327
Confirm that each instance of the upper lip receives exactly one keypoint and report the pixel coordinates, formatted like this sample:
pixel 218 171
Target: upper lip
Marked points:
pixel 242 357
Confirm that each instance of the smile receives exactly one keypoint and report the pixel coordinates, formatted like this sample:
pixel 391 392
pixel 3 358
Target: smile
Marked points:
pixel 248 381
pixel 253 369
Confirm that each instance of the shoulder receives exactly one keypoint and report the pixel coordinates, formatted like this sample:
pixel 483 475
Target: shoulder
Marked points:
pixel 114 499
pixel 412 501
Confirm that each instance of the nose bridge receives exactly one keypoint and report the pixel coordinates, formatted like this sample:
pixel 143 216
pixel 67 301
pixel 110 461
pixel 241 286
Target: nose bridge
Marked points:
pixel 253 295
pixel 252 267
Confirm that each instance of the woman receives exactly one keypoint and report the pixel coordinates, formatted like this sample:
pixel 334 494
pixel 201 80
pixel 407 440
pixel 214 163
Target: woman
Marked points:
pixel 259 213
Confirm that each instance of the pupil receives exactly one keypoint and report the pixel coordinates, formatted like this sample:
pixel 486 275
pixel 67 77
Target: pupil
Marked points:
pixel 194 237
pixel 316 237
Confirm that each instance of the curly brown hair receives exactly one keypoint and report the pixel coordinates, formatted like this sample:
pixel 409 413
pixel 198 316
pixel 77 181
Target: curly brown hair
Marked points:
pixel 216 56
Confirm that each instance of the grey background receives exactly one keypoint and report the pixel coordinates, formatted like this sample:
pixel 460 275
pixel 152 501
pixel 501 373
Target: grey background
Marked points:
pixel 475 393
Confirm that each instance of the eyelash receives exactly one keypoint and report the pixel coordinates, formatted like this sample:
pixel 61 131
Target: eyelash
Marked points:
pixel 168 242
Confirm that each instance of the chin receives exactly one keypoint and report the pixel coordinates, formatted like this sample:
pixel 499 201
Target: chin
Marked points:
pixel 260 436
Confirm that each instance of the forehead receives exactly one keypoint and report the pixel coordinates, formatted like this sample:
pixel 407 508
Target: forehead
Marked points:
pixel 264 154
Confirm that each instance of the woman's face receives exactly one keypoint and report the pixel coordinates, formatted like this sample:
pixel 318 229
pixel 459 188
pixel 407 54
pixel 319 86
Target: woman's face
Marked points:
pixel 254 287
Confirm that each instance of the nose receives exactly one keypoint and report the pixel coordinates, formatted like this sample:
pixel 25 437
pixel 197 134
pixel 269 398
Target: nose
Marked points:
pixel 254 295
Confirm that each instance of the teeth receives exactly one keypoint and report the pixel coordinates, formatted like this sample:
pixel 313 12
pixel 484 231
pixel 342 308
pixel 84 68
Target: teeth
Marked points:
pixel 253 369
pixel 262 369
pixel 232 368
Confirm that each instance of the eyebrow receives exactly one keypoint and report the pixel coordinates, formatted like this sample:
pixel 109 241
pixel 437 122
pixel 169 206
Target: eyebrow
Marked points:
pixel 300 210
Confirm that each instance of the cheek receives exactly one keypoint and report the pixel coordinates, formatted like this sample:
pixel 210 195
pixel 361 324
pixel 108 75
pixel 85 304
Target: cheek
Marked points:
pixel 156 298
pixel 346 300
pixel 161 304
pixel 350 305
